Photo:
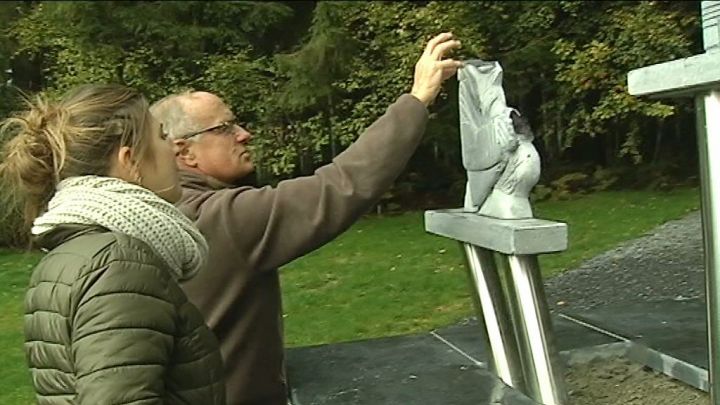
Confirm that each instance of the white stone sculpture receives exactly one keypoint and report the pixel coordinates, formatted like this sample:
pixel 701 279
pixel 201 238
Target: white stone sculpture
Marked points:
pixel 497 151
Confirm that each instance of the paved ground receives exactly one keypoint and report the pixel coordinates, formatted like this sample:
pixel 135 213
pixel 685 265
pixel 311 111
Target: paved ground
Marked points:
pixel 664 264
pixel 667 263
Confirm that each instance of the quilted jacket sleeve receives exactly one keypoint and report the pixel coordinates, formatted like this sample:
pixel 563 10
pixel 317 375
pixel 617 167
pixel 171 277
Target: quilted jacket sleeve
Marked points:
pixel 122 334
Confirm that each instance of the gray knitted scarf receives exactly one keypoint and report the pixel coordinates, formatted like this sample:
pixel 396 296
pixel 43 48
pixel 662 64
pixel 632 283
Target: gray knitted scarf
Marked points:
pixel 131 210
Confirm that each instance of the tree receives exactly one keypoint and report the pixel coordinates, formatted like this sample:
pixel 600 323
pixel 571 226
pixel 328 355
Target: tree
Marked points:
pixel 313 70
pixel 592 69
pixel 311 76
pixel 156 47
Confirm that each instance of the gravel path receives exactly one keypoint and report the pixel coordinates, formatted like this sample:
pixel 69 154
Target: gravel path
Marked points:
pixel 666 263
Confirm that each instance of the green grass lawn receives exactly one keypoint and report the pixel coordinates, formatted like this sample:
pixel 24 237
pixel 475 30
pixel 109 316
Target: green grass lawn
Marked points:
pixel 15 271
pixel 384 276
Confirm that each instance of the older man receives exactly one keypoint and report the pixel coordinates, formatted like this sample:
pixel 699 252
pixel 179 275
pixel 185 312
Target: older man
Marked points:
pixel 253 231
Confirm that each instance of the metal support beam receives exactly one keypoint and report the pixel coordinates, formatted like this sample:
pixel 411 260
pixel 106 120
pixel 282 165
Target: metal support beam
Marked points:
pixel 708 127
pixel 493 316
pixel 533 328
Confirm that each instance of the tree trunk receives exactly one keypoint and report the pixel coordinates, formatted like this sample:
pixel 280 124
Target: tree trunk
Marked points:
pixel 658 140
pixel 610 144
pixel 331 133
pixel 557 136
pixel 550 139
pixel 120 72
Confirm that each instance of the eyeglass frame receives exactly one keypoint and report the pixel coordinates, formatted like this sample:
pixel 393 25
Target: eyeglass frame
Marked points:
pixel 229 124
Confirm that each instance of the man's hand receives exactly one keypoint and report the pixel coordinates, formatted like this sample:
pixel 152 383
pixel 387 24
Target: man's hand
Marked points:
pixel 431 70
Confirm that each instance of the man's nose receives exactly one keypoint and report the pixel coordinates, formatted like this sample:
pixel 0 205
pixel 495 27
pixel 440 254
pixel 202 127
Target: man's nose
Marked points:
pixel 242 135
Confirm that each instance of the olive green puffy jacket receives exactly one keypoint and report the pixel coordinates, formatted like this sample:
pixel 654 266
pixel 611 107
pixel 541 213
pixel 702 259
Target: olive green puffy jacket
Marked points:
pixel 105 322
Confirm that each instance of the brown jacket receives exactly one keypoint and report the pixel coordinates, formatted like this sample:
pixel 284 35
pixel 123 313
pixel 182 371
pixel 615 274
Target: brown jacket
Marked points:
pixel 253 231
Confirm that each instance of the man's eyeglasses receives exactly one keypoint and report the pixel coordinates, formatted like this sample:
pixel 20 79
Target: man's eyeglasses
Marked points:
pixel 224 128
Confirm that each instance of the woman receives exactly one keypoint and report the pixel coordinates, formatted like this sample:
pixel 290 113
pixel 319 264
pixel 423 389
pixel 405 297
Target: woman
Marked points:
pixel 105 319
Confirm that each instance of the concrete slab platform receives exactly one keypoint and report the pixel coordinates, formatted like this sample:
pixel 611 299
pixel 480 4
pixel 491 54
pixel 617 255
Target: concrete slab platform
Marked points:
pixel 669 336
pixel 446 366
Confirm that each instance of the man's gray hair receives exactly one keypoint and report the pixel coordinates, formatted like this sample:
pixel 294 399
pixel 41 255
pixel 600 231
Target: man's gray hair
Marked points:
pixel 170 111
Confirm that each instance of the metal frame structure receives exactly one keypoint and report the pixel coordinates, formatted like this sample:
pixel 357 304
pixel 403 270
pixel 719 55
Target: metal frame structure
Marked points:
pixel 699 77
pixel 509 295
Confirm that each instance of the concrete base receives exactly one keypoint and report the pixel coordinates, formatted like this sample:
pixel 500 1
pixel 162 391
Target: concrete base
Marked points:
pixel 400 370
pixel 509 236
pixel 446 366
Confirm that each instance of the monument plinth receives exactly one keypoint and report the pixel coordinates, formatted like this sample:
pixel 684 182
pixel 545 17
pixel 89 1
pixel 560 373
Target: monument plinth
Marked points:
pixel 530 236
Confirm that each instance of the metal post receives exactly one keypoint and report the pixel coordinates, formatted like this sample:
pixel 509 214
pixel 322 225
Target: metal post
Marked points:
pixel 708 128
pixel 533 328
pixel 493 315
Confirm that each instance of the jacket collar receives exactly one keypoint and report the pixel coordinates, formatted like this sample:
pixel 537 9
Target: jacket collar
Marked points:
pixel 63 233
pixel 202 182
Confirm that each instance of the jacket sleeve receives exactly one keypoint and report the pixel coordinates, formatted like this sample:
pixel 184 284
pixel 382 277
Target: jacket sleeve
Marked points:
pixel 122 334
pixel 269 226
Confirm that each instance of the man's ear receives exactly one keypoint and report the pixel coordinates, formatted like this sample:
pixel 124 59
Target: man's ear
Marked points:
pixel 184 152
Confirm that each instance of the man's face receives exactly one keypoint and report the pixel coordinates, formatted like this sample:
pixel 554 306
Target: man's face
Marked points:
pixel 220 152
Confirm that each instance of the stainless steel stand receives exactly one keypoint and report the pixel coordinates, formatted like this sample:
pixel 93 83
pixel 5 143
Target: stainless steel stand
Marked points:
pixel 493 314
pixel 533 329
pixel 510 302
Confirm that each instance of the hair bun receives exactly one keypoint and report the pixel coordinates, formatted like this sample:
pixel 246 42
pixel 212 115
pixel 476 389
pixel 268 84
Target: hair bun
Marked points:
pixel 73 137
pixel 34 153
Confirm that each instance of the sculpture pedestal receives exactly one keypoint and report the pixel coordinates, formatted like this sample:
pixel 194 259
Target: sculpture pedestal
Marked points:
pixel 512 308
pixel 530 236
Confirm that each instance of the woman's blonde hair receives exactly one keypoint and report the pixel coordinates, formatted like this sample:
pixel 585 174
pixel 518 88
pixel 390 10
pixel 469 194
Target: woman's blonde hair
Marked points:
pixel 75 136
